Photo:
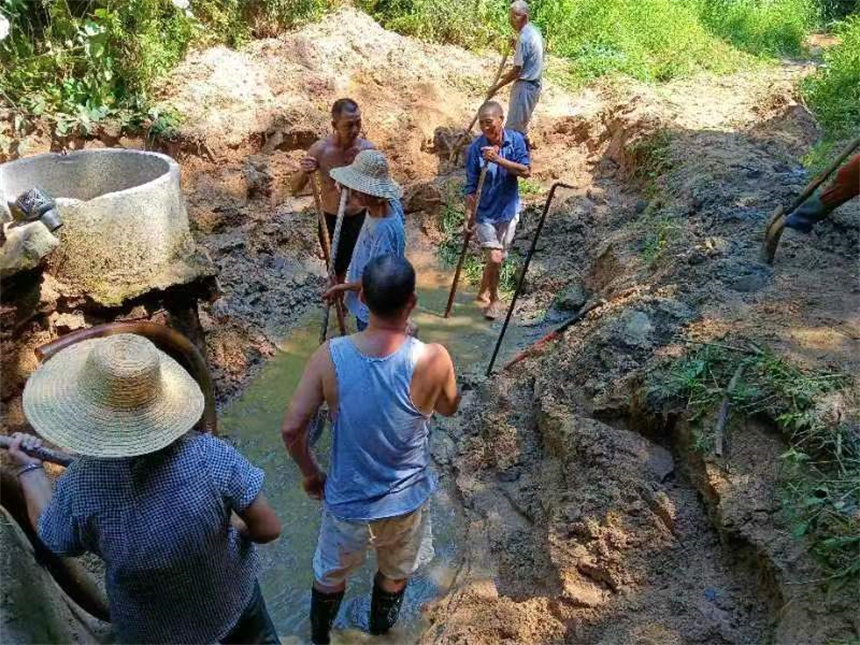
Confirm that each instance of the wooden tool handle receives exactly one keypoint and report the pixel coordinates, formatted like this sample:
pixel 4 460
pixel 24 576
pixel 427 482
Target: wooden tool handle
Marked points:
pixel 45 454
pixel 467 237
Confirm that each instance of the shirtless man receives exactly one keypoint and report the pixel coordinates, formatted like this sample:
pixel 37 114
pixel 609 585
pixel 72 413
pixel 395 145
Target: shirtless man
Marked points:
pixel 336 150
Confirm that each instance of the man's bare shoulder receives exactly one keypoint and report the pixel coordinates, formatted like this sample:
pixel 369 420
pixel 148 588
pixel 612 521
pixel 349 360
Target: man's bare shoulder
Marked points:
pixel 436 359
pixel 320 147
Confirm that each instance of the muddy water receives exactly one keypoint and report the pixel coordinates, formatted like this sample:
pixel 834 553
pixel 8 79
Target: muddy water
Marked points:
pixel 253 421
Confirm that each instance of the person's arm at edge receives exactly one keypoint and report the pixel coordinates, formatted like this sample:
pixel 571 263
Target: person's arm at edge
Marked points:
pixel 303 407
pixel 34 483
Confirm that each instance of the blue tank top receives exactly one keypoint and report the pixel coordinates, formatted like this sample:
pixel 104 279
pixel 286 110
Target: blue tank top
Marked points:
pixel 380 456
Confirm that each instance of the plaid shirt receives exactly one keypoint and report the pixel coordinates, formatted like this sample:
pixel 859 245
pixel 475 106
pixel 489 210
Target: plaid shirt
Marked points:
pixel 177 571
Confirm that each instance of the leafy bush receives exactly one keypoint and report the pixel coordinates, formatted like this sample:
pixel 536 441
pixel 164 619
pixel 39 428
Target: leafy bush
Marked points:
pixel 87 59
pixel 833 92
pixel 769 28
pixel 82 61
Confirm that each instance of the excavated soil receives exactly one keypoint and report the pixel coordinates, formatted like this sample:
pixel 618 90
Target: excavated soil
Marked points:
pixel 589 518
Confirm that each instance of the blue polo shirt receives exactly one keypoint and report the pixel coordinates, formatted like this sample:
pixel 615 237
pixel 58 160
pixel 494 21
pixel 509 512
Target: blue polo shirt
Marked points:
pixel 500 196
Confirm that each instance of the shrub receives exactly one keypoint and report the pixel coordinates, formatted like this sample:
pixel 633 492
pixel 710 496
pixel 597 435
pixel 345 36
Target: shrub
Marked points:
pixel 833 92
pixel 761 27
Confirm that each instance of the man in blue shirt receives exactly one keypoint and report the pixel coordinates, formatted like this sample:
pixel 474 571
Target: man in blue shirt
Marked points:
pixel 505 156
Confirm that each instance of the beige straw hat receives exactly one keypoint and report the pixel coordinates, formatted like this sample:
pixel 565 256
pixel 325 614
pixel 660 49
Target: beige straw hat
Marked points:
pixel 112 397
pixel 368 174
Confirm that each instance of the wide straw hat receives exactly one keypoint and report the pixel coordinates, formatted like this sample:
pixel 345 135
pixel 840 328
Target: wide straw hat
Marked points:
pixel 112 397
pixel 368 174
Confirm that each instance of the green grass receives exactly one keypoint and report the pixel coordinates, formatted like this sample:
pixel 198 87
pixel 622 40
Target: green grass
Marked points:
pixel 90 60
pixel 833 92
pixel 820 470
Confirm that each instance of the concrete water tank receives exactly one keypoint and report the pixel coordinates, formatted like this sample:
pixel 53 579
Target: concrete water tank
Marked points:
pixel 125 226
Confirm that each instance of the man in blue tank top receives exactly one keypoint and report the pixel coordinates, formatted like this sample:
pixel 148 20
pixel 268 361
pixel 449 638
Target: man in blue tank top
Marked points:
pixel 382 386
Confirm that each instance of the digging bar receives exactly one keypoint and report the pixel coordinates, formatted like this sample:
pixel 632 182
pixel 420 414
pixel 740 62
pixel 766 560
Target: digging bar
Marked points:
pixel 525 268
pixel 467 237
pixel 457 146
pixel 341 209
pixel 326 249
pixel 777 218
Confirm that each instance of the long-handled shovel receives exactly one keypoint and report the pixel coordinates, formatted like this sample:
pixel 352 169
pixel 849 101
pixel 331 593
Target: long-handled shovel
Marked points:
pixel 326 249
pixel 458 144
pixel 776 223
pixel 525 269
pixel 341 209
pixel 467 237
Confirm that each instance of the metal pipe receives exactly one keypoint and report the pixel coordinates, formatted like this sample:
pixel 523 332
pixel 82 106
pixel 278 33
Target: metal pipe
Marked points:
pixel 326 249
pixel 525 269
pixel 335 243
pixel 165 338
pixel 536 347
pixel 467 237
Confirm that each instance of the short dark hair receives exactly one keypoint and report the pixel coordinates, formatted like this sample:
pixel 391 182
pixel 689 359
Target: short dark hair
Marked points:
pixel 495 106
pixel 343 105
pixel 388 282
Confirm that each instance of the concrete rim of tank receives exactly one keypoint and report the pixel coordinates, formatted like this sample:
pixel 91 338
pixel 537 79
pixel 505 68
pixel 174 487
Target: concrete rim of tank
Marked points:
pixel 134 197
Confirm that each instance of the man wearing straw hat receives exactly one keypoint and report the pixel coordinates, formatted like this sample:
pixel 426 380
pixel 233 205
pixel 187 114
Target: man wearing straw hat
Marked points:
pixel 370 182
pixel 383 385
pixel 153 501
pixel 336 150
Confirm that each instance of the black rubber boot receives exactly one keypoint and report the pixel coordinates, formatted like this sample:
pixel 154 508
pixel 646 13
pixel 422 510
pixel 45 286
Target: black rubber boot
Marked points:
pixel 324 608
pixel 384 608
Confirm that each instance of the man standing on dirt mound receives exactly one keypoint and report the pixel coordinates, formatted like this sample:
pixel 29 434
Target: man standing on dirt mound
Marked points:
pixel 338 149
pixel 502 155
pixel 525 73
pixel 382 386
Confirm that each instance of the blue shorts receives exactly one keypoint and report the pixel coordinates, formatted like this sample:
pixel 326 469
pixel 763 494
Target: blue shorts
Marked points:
pixel 360 325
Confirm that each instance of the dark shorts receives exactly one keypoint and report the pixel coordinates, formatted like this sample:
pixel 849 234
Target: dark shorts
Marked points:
pixel 255 625
pixel 348 237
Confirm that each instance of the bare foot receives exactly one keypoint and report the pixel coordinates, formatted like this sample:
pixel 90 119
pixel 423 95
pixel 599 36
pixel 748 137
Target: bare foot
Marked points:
pixel 483 299
pixel 494 310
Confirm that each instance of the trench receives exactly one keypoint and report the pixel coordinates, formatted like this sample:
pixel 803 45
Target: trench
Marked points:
pixel 252 423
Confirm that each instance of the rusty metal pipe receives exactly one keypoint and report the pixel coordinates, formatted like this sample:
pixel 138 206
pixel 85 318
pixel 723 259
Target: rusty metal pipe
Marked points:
pixel 169 340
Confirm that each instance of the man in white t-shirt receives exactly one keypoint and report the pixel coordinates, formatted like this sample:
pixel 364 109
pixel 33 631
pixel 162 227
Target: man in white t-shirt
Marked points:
pixel 525 73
